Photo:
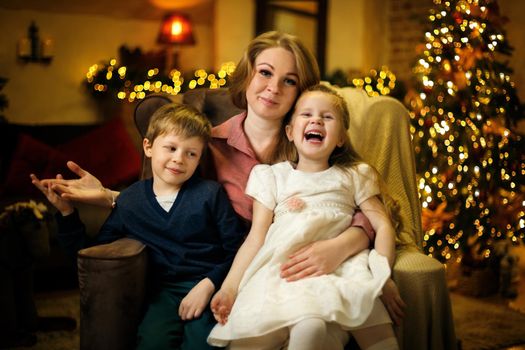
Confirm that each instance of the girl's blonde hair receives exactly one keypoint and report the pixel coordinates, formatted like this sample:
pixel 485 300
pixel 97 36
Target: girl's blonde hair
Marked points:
pixel 181 119
pixel 346 156
pixel 307 72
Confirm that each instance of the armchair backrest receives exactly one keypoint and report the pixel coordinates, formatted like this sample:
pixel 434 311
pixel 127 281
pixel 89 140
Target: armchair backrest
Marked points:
pixel 379 130
pixel 214 103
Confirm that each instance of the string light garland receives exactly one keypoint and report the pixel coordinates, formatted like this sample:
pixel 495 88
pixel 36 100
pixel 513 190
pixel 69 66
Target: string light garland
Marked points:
pixel 381 82
pixel 470 160
pixel 119 82
pixel 377 82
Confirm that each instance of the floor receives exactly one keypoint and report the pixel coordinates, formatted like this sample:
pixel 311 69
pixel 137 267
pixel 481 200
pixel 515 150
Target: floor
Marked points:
pixel 519 302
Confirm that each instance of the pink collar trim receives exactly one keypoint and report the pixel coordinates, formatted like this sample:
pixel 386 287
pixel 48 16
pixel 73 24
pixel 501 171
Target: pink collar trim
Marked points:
pixel 233 131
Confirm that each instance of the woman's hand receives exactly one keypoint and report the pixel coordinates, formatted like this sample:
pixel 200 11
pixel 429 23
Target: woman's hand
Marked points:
pixel 221 305
pixel 64 206
pixel 325 256
pixel 315 259
pixel 196 300
pixel 87 188
pixel 393 302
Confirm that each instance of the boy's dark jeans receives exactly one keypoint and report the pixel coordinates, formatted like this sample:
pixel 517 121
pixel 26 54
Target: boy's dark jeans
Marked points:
pixel 162 328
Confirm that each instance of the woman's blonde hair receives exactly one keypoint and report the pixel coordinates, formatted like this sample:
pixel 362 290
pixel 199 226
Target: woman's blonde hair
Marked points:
pixel 307 72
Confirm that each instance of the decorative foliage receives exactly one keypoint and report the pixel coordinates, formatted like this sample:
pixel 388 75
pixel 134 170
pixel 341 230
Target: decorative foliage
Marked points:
pixel 30 209
pixel 433 221
pixel 26 222
pixel 464 107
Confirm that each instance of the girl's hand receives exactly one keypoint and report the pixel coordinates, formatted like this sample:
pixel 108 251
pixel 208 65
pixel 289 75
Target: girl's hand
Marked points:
pixel 221 305
pixel 87 188
pixel 63 205
pixel 393 302
pixel 196 300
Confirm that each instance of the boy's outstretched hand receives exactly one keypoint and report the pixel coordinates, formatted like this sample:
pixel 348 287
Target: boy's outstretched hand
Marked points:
pixel 221 305
pixel 64 206
pixel 86 188
pixel 196 300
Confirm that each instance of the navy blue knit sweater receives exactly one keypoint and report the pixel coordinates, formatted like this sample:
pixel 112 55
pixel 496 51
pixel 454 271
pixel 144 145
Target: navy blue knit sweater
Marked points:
pixel 197 238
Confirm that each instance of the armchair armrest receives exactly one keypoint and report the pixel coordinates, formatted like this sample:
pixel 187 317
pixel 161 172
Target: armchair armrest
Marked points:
pixel 112 289
pixel 428 322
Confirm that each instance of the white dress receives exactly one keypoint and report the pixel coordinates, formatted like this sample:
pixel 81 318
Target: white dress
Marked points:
pixel 307 207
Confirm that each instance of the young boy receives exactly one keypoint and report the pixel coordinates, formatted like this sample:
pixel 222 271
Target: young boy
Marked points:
pixel 188 224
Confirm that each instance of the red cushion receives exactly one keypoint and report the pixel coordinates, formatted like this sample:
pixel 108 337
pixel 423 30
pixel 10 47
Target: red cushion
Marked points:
pixel 106 152
pixel 32 156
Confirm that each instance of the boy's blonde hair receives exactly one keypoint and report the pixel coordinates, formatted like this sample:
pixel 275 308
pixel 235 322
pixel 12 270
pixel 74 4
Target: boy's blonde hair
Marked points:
pixel 181 119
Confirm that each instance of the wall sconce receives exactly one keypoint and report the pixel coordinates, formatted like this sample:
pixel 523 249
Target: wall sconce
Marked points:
pixel 33 48
pixel 175 30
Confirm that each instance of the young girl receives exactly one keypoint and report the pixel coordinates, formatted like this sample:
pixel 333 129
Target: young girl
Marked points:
pixel 295 204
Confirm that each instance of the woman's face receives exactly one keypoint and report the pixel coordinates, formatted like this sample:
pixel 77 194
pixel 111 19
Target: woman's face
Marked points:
pixel 274 85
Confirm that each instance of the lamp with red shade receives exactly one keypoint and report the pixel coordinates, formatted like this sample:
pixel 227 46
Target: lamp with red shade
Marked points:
pixel 176 30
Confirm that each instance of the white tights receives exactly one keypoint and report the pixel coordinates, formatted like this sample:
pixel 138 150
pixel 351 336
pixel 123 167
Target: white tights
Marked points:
pixel 307 334
pixel 380 337
pixel 316 334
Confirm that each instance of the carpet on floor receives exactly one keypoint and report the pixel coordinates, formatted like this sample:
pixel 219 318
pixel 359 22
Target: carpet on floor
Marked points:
pixel 480 324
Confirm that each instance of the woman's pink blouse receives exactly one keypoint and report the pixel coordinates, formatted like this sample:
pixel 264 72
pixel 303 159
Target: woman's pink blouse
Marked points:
pixel 233 159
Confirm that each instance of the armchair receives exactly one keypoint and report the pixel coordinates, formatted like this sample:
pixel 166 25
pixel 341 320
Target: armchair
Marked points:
pixel 112 276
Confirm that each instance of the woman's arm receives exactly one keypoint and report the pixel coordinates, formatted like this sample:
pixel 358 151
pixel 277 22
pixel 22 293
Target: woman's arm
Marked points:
pixel 87 188
pixel 223 300
pixel 323 257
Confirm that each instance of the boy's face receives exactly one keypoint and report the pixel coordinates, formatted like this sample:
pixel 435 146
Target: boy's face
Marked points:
pixel 174 159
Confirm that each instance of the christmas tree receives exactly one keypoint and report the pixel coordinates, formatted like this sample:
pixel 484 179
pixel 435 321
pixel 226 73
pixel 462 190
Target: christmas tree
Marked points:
pixel 464 109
